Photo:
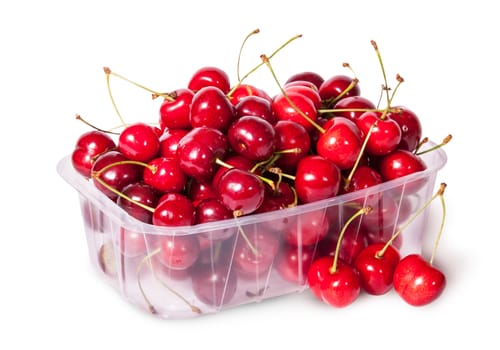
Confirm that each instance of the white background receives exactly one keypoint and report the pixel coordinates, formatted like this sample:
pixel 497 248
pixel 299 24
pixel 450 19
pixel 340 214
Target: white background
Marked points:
pixel 52 54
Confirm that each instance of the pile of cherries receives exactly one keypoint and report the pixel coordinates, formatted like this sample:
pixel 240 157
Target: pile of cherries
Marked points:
pixel 221 151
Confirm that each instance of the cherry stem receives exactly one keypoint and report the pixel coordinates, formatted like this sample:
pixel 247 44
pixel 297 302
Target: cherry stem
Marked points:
pixel 229 166
pixel 445 141
pixel 265 59
pixel 360 155
pixel 79 117
pixel 333 110
pixel 360 212
pixel 441 226
pixel 151 308
pixel 385 87
pixel 382 251
pixel 261 64
pixel 420 144
pixel 278 171
pixel 255 31
pixel 108 84
pixel 236 215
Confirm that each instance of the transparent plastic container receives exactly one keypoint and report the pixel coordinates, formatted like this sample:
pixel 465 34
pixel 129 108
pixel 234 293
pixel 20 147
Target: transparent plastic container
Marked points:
pixel 227 272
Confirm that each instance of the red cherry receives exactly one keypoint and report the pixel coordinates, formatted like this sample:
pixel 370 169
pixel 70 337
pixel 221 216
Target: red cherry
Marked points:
pixel 88 146
pixel 252 137
pixel 131 243
pixel 209 76
pixel 353 242
pixel 285 111
pixel 109 169
pixel 211 108
pixel 364 177
pixel 291 135
pixel 254 256
pixel 341 142
pixel 169 141
pixel 376 269
pixel 241 191
pixel 337 288
pixel 139 142
pixel 336 85
pixel 165 175
pixel 174 209
pixel 235 161
pixel 400 163
pixel 351 105
pixel 385 135
pixel 312 77
pixel 256 106
pixel 293 262
pixel 279 198
pixel 178 252
pixel 311 93
pixel 307 229
pixel 198 191
pixel 214 283
pixel 417 281
pixel 411 128
pixel 139 193
pixel 211 210
pixel 244 90
pixel 316 178
pixel 175 110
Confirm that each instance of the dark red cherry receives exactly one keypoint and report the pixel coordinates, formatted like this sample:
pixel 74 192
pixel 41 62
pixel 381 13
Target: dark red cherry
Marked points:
pixel 245 90
pixel 178 252
pixel 256 106
pixel 235 161
pixel 351 107
pixel 109 169
pixel 364 177
pixel 165 175
pixel 88 146
pixel 385 136
pixel 209 76
pixel 214 283
pixel 211 210
pixel 353 242
pixel 400 163
pixel 291 135
pixel 411 128
pixel 336 85
pixel 174 209
pixel 293 262
pixel 307 229
pixel 308 91
pixel 286 111
pixel 198 191
pixel 169 141
pixel 141 193
pixel 312 77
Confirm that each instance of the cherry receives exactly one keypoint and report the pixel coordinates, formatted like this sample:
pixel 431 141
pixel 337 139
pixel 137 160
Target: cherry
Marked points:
pixel 352 107
pixel 309 76
pixel 338 86
pixel 291 135
pixel 165 175
pixel 376 269
pixel 175 110
pixel 88 146
pixel 252 137
pixel 255 253
pixel 215 284
pixel 174 209
pixel 209 76
pixel 139 193
pixel 281 197
pixel 197 191
pixel 139 142
pixel 256 106
pixel 199 150
pixel 307 229
pixel 308 91
pixel 364 177
pixel 300 105
pixel 316 178
pixel 169 141
pixel 232 161
pixel 178 252
pixel 211 210
pixel 411 128
pixel 242 91
pixel 400 163
pixel 341 142
pixel 241 191
pixel 332 280
pixel 293 262
pixel 211 108
pixel 111 173
pixel 385 135
pixel 415 279
pixel 353 242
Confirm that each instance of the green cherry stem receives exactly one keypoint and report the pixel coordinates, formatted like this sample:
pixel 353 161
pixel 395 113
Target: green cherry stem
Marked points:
pixel 439 192
pixel 441 226
pixel 79 117
pixel 445 141
pixel 360 212
pixel 379 56
pixel 255 31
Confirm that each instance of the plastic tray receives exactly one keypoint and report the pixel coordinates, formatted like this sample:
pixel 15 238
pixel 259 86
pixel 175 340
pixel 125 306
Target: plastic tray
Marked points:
pixel 226 274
